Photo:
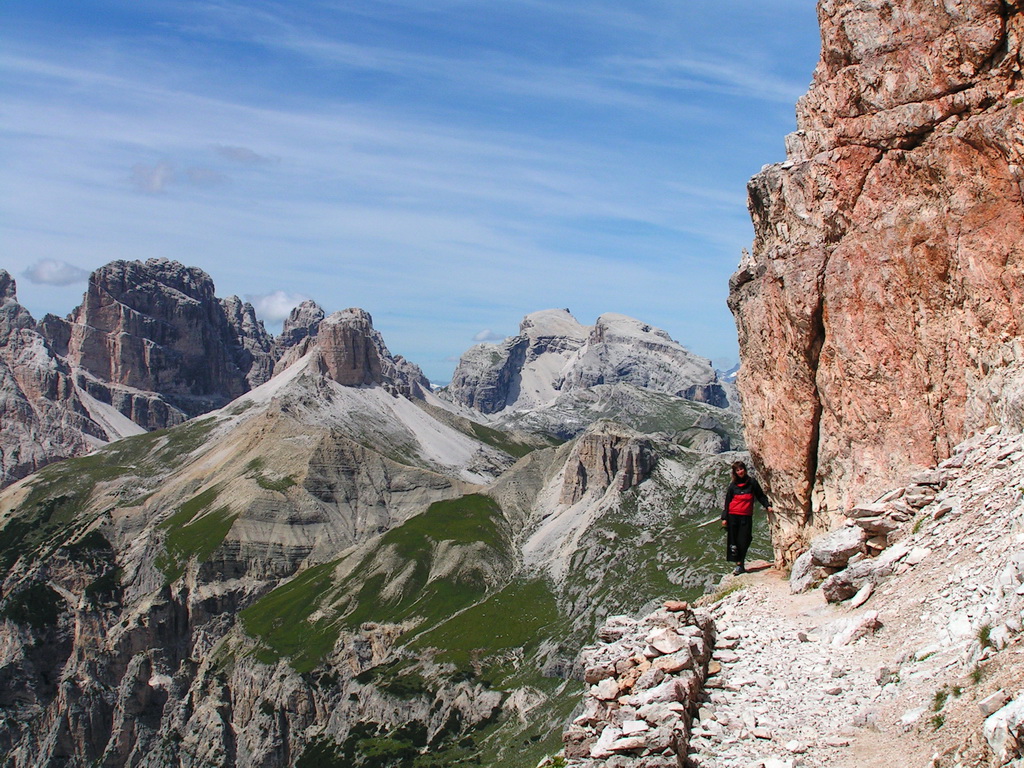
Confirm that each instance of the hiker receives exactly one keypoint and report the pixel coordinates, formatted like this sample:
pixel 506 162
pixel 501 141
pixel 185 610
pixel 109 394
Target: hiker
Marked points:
pixel 738 515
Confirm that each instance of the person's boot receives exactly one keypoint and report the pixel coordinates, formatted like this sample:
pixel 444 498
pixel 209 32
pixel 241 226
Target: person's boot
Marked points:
pixel 739 570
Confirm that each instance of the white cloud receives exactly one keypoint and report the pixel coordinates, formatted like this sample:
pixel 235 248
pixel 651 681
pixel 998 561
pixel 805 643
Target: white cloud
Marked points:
pixel 53 272
pixel 274 307
pixel 488 335
pixel 152 179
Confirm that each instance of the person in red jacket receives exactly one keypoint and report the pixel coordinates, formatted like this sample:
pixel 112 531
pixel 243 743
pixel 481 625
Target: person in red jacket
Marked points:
pixel 738 515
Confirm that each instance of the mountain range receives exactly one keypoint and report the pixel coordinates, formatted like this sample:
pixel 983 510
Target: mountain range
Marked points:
pixel 338 563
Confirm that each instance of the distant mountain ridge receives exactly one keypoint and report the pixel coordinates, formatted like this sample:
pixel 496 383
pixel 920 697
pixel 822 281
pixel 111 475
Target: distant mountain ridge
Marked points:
pixel 554 354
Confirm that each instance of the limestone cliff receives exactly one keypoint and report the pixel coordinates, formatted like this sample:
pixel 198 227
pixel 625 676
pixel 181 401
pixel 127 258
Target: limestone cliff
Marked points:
pixel 604 455
pixel 878 313
pixel 156 326
pixel 149 346
pixel 42 416
pixel 554 355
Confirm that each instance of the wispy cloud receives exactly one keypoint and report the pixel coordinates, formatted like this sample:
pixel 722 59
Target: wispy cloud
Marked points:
pixel 728 76
pixel 383 155
pixel 156 179
pixel 204 177
pixel 152 179
pixel 242 155
pixel 53 272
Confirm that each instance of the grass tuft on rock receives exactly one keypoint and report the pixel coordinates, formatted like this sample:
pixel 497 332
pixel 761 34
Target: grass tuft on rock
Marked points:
pixel 281 620
pixel 191 534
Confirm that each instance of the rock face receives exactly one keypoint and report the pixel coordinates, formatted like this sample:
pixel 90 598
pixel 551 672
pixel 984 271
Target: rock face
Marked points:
pixel 156 326
pixel 878 314
pixel 346 348
pixel 42 417
pixel 553 355
pixel 249 342
pixel 605 455
pixel 353 353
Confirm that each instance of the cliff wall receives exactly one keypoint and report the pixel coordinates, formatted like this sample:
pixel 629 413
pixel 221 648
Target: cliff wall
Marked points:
pixel 878 313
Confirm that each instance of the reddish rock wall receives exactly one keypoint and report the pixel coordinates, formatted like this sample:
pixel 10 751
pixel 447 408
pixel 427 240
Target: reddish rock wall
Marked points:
pixel 879 313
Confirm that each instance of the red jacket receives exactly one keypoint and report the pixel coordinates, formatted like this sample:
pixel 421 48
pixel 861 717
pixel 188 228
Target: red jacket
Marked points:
pixel 739 499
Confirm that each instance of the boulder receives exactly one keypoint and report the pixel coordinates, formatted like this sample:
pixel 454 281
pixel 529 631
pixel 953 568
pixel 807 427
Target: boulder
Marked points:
pixel 848 582
pixel 833 550
pixel 876 526
pixel 665 640
pixel 857 627
pixel 919 496
pixel 876 509
pixel 993 703
pixel 803 574
pixel 1004 731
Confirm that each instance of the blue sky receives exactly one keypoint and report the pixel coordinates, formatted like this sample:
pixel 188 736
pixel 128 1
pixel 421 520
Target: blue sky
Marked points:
pixel 448 166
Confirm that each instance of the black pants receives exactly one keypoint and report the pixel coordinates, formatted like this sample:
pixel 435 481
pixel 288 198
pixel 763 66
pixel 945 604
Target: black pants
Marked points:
pixel 740 530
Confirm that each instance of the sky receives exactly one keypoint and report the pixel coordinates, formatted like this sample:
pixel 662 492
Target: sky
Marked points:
pixel 448 166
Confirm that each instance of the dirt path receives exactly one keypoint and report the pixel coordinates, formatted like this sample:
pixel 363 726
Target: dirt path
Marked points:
pixel 797 687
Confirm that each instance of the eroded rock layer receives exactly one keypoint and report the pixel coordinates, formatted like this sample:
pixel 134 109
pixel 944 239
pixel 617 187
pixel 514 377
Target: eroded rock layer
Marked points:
pixel 878 313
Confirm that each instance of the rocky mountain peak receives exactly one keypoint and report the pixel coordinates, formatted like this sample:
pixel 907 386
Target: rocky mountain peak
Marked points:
pixel 552 323
pixel 8 287
pixel 624 349
pixel 302 322
pixel 13 315
pixel 349 348
pixel 157 326
pixel 612 325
